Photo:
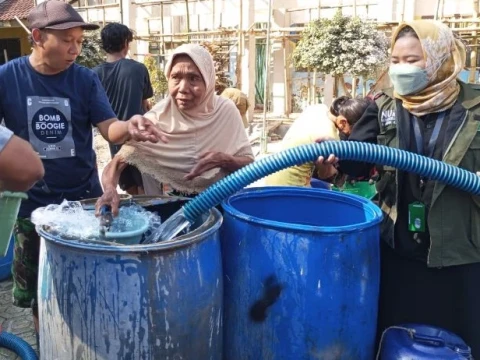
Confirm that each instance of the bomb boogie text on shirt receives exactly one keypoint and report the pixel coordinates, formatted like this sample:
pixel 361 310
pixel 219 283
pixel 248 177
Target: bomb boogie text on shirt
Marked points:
pixel 50 127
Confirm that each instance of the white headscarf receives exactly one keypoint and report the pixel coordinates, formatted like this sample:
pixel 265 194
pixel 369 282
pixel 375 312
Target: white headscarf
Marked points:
pixel 214 125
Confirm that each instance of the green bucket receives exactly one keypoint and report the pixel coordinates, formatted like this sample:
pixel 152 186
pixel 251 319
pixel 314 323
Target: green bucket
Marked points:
pixel 9 206
pixel 365 189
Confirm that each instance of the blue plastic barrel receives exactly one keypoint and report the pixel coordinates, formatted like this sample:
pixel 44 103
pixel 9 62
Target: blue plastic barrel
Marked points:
pixel 135 302
pixel 319 184
pixel 422 342
pixel 301 274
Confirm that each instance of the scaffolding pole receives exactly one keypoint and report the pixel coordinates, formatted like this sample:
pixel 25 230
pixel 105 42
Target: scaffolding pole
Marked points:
pixel 163 30
pixel 213 14
pixel 188 19
pixel 473 53
pixel 264 140
pixel 240 49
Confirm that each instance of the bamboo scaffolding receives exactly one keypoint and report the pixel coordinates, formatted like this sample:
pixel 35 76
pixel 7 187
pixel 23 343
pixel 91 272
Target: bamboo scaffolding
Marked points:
pixel 188 19
pixel 325 7
pixel 159 2
pixel 163 28
pixel 87 7
pixel 288 79
pixel 169 2
pixel 464 20
pixel 266 90
pixel 473 53
pixel 213 13
pixel 240 50
pixel 288 33
pixel 468 28
pixel 23 25
pixel 435 17
pixel 276 33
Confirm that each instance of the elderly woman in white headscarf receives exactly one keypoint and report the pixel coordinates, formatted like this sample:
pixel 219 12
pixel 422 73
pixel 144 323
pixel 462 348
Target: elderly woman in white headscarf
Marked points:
pixel 205 133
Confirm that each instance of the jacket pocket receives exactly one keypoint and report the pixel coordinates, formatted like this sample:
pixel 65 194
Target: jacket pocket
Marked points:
pixel 473 163
pixel 471 160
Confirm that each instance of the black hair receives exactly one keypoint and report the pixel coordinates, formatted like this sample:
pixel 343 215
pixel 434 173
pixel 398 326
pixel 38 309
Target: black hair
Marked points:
pixel 405 32
pixel 350 109
pixel 114 36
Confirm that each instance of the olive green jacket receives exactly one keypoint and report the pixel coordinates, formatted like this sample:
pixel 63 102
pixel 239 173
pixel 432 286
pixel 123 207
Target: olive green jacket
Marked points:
pixel 454 215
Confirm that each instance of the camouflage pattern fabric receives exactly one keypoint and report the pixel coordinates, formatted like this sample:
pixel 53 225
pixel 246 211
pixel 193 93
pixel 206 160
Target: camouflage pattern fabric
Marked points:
pixel 25 263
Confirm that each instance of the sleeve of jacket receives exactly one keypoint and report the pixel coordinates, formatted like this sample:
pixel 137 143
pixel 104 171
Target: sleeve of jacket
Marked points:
pixel 365 130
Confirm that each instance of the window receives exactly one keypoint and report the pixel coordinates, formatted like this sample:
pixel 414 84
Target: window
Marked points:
pixel 11 48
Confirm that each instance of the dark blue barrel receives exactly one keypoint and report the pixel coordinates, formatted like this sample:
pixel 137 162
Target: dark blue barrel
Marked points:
pixel 422 342
pixel 301 274
pixel 145 302
pixel 6 261
pixel 319 184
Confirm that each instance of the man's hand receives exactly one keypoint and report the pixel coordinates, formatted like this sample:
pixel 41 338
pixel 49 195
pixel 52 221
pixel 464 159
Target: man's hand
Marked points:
pixel 110 197
pixel 142 129
pixel 331 160
pixel 326 167
pixel 207 161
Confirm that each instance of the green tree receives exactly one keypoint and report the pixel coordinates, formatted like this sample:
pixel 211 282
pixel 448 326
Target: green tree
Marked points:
pixel 342 45
pixel 92 53
pixel 157 78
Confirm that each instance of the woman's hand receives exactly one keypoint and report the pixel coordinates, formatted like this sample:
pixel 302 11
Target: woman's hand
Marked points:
pixel 208 160
pixel 142 129
pixel 111 198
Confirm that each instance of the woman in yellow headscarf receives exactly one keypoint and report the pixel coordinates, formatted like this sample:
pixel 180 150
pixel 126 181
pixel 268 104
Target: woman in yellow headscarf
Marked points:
pixel 430 253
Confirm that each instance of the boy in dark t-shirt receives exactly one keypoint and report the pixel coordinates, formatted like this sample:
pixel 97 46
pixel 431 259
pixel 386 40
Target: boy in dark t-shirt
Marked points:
pixel 52 103
pixel 128 87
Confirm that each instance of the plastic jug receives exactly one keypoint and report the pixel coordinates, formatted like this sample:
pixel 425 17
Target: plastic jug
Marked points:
pixel 422 342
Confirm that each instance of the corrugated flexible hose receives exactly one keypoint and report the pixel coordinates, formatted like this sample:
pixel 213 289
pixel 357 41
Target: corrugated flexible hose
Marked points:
pixel 17 345
pixel 344 150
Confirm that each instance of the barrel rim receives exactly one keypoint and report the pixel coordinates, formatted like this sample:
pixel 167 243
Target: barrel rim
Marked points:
pixel 211 224
pixel 13 195
pixel 366 204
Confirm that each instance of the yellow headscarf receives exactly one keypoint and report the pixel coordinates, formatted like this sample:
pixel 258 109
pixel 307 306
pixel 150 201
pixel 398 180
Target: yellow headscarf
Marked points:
pixel 445 58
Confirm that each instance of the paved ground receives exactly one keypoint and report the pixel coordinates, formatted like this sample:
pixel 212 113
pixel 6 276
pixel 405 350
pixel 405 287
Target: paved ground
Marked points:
pixel 14 320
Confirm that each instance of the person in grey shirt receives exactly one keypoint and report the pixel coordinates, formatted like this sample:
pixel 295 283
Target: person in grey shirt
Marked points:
pixel 18 175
